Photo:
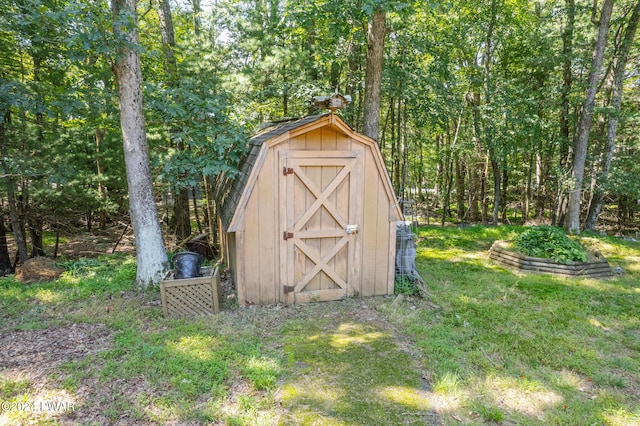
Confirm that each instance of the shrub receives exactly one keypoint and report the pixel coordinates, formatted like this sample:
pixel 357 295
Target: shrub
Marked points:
pixel 550 242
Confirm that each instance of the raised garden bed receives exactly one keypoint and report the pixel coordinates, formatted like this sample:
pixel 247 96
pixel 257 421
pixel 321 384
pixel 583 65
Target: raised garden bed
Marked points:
pixel 596 267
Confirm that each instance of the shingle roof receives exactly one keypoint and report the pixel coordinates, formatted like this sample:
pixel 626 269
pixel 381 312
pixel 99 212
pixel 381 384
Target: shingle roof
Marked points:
pixel 228 189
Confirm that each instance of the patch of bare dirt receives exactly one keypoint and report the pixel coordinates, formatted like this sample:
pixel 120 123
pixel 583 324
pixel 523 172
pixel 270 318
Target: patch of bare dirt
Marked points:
pixel 33 354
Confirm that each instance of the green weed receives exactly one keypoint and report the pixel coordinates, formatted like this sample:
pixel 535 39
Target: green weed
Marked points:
pixel 551 243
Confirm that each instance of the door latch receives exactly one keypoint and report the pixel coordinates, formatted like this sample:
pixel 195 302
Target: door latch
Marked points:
pixel 352 229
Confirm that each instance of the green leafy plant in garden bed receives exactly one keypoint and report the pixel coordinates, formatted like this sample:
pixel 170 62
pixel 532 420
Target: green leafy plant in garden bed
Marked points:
pixel 550 242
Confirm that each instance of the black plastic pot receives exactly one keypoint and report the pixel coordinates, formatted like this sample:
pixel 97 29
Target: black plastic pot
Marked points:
pixel 187 264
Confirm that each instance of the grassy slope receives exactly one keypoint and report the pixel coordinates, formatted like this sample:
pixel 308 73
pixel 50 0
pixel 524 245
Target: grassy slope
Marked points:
pixel 530 349
pixel 501 347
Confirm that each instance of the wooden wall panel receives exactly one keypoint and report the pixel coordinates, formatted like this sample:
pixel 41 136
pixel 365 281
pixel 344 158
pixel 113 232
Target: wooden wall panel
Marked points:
pixel 370 227
pixel 232 255
pixel 344 142
pixel 251 254
pixel 382 241
pixel 266 233
pixel 240 257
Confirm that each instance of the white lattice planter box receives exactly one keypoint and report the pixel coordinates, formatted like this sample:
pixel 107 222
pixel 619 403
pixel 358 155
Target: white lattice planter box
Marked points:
pixel 191 297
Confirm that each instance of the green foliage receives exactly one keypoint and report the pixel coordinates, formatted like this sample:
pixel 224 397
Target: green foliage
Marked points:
pixel 550 242
pixel 405 285
pixel 490 413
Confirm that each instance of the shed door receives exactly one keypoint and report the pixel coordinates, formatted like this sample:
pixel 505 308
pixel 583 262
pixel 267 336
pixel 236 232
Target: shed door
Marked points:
pixel 322 209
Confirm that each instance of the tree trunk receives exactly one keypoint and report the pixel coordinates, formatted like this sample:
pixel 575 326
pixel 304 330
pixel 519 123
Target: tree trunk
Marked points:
pixel 483 189
pixel 582 138
pixel 102 190
pixel 353 87
pixel 489 131
pixel 497 180
pixel 460 189
pixel 196 211
pixel 35 231
pixel 503 197
pixel 16 225
pixel 180 220
pixel 210 212
pixel 5 260
pixel 197 10
pixel 612 125
pixel 475 170
pixel 527 193
pixel 567 80
pixel 150 251
pixel 168 42
pixel 475 182
pixel 373 73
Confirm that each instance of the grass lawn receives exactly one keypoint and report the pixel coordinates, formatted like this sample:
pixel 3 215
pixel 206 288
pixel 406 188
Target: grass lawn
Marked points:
pixel 491 346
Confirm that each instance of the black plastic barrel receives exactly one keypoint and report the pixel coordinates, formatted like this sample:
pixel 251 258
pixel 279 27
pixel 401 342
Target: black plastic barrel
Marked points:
pixel 187 264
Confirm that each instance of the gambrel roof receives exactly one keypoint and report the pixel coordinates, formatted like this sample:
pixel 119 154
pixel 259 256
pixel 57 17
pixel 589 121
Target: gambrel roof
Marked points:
pixel 232 192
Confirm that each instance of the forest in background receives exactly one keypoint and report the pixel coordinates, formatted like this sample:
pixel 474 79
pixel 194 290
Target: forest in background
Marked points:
pixel 490 111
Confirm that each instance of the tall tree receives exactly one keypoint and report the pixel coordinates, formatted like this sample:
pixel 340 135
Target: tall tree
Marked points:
pixel 376 35
pixel 489 126
pixel 582 135
pixel 612 123
pixel 150 251
pixel 180 221
pixel 9 178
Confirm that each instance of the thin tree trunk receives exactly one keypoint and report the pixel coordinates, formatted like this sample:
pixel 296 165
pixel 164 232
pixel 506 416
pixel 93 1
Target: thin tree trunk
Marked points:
pixel 582 140
pixel 612 124
pixel 16 225
pixel 475 169
pixel 102 190
pixel 195 209
pixel 439 181
pixel 5 260
pixel 489 131
pixel 567 80
pixel 180 220
pixel 353 87
pixel 197 10
pixel 373 73
pixel 35 231
pixel 528 193
pixel 211 211
pixel 150 251
pixel 460 189
pixel 505 186
pixel 483 189
pixel 449 169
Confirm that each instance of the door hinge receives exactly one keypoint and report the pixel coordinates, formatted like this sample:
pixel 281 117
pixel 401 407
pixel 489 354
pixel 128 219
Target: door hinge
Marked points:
pixel 287 235
pixel 287 170
pixel 289 289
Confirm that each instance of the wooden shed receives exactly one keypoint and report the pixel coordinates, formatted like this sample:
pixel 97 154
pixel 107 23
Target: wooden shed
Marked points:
pixel 311 216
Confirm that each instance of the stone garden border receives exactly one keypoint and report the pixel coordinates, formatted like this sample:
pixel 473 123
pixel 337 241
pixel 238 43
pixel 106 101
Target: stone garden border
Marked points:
pixel 596 267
